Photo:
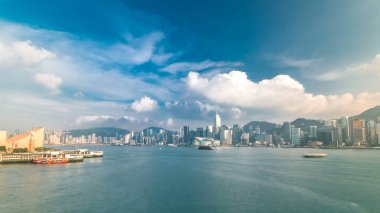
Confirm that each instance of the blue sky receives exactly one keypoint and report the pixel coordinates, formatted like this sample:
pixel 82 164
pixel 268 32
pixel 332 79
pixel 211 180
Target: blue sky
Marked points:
pixel 132 64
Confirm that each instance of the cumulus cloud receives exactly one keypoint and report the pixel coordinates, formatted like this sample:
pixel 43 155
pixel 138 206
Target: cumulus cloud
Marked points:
pixel 236 112
pixel 50 81
pixel 86 121
pixel 169 122
pixel 22 54
pixel 194 110
pixel 371 67
pixel 145 104
pixel 198 66
pixel 281 94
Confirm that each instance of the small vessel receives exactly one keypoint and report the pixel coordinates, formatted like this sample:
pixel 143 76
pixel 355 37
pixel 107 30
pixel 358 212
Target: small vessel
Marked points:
pixel 48 160
pixel 314 155
pixel 205 147
pixel 96 154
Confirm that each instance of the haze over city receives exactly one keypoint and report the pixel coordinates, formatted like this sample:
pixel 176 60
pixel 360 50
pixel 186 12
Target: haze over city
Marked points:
pixel 136 64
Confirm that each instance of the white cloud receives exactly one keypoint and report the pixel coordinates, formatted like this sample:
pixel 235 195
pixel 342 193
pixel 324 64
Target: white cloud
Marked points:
pixel 145 104
pixel 198 66
pixel 236 112
pixel 81 120
pixel 50 81
pixel 169 122
pixel 371 67
pixel 22 54
pixel 281 94
pixel 137 50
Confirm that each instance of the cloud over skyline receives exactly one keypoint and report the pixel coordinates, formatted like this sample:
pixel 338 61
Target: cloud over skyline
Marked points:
pixel 136 68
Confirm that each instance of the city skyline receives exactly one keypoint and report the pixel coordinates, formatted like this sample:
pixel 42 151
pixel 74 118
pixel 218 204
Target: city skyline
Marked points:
pixel 130 64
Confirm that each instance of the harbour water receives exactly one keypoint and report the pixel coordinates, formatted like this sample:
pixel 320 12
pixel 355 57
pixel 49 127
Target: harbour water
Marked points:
pixel 167 179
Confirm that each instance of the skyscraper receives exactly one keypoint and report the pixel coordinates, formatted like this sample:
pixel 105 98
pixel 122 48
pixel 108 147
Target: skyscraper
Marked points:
pixel 217 124
pixel 295 135
pixel 313 133
pixel 226 137
pixel 236 134
pixel 186 135
pixel 209 132
pixel 286 131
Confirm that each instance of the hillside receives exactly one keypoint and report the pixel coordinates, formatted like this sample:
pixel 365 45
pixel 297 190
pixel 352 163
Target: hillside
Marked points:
pixel 99 131
pixel 264 126
pixel 305 124
pixel 370 114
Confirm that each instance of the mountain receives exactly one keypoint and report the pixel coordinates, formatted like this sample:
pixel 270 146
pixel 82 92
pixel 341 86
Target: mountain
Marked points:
pixel 305 124
pixel 264 126
pixel 154 130
pixel 370 114
pixel 99 131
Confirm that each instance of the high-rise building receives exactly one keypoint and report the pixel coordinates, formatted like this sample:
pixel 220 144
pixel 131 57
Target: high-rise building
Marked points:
pixel 186 135
pixel 199 132
pixel 217 125
pixel 226 136
pixel 295 135
pixel 209 132
pixel 358 132
pixel 313 133
pixel 257 130
pixel 286 132
pixel 236 134
pixel 378 133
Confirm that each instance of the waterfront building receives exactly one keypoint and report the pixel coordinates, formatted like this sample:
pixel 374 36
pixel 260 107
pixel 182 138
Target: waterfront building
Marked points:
pixel 257 130
pixel 3 138
pixel 226 137
pixel 286 132
pixel 209 131
pixel 186 135
pixel 244 139
pixel 264 138
pixel 199 132
pixel 217 125
pixel 191 136
pixel 236 134
pixel 295 135
pixel 378 133
pixel 29 140
pixel 358 132
pixel 313 133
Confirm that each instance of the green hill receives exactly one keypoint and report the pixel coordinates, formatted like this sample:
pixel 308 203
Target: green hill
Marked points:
pixel 305 124
pixel 264 126
pixel 370 114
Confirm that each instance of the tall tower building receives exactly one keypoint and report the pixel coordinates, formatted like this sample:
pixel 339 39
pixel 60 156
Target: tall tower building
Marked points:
pixel 286 131
pixel 313 133
pixel 217 124
pixel 186 135
pixel 348 131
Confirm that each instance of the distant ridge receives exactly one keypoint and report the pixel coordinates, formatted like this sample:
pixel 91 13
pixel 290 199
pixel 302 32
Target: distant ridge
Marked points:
pixel 99 131
pixel 305 124
pixel 264 126
pixel 370 114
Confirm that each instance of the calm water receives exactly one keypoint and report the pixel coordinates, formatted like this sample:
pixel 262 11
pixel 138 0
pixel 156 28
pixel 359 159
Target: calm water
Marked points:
pixel 153 179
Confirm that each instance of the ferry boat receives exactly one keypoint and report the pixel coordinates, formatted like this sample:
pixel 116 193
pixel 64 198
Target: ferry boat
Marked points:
pixel 89 154
pixel 314 155
pixel 205 147
pixel 96 154
pixel 49 160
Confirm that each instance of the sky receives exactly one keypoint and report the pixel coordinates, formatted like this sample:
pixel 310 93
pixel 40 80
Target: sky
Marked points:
pixel 140 63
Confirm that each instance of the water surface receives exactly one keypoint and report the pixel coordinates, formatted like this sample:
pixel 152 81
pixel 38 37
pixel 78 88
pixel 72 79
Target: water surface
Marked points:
pixel 166 179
